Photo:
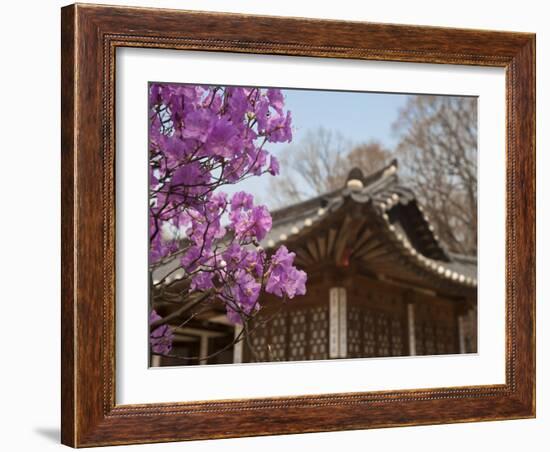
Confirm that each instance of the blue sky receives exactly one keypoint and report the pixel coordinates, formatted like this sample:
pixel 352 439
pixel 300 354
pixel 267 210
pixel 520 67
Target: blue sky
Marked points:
pixel 359 117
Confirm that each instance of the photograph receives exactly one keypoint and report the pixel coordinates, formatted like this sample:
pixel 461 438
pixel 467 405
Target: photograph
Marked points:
pixel 294 224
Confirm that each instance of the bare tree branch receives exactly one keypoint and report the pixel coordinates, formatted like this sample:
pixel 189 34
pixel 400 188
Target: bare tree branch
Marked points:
pixel 321 163
pixel 438 152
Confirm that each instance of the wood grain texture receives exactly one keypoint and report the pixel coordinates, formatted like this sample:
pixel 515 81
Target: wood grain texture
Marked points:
pixel 68 336
pixel 90 36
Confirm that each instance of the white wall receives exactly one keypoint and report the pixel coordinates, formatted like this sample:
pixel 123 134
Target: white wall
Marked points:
pixel 29 118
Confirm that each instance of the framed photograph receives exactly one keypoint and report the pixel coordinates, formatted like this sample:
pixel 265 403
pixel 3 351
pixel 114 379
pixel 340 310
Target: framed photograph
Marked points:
pixel 282 225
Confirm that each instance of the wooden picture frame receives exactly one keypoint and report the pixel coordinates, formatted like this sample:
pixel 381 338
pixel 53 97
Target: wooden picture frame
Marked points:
pixel 90 36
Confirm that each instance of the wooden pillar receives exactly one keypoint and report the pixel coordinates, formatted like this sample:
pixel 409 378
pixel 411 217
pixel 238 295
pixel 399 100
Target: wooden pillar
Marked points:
pixel 238 346
pixel 411 329
pixel 461 334
pixel 156 360
pixel 203 349
pixel 474 324
pixel 338 332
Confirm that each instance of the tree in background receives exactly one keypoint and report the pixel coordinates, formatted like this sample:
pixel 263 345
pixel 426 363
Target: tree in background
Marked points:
pixel 321 162
pixel 202 138
pixel 437 151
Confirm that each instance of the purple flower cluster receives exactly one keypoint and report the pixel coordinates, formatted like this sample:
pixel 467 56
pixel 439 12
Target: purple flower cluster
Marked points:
pixel 200 139
pixel 243 271
pixel 160 338
pixel 249 222
pixel 283 278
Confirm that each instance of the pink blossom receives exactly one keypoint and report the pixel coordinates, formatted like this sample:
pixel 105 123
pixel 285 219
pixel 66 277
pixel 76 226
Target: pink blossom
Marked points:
pixel 200 139
pixel 161 338
pixel 284 278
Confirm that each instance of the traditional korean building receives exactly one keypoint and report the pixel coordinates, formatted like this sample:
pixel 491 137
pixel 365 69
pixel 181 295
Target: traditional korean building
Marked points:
pixel 380 283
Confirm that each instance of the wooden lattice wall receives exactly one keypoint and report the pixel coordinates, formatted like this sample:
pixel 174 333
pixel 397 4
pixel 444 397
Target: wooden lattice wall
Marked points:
pixel 377 325
pixel 291 335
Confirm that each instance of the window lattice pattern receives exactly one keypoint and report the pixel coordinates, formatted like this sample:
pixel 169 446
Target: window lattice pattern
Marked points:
pixel 318 338
pixel 419 338
pixel 260 348
pixel 383 334
pixel 444 340
pixel 429 338
pixel 292 336
pixel 277 343
pixel 298 342
pixel 373 332
pixel 377 326
pixel 435 330
pixel 369 334
pixel 397 331
pixel 354 332
pixel 470 331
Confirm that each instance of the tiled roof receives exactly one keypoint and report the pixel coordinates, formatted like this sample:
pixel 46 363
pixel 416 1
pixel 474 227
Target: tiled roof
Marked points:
pixel 398 216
